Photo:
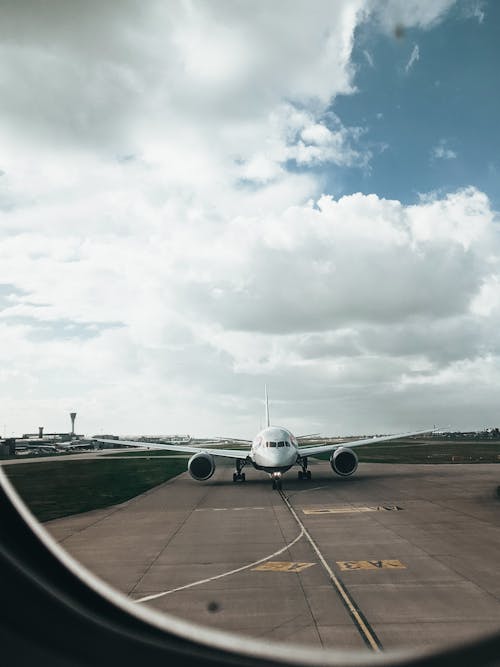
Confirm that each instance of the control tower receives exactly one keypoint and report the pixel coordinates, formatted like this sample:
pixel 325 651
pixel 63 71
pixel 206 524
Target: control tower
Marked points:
pixel 73 417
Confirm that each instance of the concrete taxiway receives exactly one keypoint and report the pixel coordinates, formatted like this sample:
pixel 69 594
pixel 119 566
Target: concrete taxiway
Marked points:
pixel 416 547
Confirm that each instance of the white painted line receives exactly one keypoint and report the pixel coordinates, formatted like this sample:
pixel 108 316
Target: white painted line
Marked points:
pixel 224 509
pixel 224 574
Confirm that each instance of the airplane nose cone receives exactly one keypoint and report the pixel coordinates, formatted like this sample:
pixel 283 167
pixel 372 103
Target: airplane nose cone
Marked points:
pixel 276 457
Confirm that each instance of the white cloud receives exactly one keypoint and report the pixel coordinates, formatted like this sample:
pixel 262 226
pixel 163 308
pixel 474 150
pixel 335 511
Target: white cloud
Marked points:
pixel 443 152
pixel 369 58
pixel 475 9
pixel 410 13
pixel 208 64
pixel 166 247
pixel 344 294
pixel 305 138
pixel 414 57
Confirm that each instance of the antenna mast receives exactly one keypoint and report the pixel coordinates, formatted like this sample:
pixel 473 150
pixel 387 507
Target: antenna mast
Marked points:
pixel 267 407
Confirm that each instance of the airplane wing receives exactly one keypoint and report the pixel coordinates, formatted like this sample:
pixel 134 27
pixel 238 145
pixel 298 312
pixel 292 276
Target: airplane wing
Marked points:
pixel 187 449
pixel 320 449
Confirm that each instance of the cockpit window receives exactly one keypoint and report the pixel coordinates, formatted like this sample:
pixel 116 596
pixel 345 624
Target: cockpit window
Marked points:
pixel 272 444
pixel 281 444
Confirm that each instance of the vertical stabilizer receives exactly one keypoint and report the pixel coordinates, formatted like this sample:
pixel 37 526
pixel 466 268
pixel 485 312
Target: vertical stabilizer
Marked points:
pixel 267 407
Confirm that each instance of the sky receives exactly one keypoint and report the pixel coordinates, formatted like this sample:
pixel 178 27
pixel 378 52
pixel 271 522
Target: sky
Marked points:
pixel 198 198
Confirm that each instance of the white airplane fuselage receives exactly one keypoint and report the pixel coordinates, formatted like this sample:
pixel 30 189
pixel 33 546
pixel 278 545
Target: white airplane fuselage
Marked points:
pixel 274 449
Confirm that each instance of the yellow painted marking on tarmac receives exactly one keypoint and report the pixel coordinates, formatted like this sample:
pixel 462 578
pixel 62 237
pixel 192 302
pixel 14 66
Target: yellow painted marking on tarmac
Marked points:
pixel 351 510
pixel 339 510
pixel 283 566
pixel 371 565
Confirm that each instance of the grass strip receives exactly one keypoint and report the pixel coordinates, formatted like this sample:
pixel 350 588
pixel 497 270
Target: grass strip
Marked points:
pixel 420 451
pixel 54 489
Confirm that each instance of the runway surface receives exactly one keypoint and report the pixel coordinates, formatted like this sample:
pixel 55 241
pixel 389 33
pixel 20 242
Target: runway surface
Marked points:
pixel 415 547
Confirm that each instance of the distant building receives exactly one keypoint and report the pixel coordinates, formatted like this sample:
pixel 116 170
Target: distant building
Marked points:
pixel 47 437
pixel 8 447
pixel 174 439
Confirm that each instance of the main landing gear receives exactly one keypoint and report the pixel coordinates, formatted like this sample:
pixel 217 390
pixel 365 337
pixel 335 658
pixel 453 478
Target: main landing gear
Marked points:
pixel 239 476
pixel 277 482
pixel 304 473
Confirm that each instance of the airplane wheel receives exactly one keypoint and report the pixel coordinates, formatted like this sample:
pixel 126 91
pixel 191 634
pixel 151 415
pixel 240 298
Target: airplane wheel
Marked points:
pixel 309 474
pixel 243 477
pixel 235 477
pixel 279 485
pixel 274 485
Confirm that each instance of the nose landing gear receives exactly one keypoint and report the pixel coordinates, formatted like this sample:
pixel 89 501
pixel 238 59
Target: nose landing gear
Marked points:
pixel 277 482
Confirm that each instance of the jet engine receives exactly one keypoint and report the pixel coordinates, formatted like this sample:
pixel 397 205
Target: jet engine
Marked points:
pixel 344 461
pixel 201 466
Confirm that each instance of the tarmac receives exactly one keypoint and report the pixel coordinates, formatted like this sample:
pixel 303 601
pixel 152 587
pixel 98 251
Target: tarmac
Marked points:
pixel 416 548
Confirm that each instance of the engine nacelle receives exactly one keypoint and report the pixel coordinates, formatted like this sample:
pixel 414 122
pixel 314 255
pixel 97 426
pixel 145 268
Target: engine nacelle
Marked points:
pixel 344 461
pixel 201 466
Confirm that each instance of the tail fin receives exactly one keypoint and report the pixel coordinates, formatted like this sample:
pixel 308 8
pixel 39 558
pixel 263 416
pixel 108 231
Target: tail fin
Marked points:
pixel 267 407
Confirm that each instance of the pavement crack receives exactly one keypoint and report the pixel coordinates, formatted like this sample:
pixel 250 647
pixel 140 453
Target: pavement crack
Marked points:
pixel 301 585
pixel 169 540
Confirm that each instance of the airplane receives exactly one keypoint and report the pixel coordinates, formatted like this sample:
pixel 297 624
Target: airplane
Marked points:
pixel 273 450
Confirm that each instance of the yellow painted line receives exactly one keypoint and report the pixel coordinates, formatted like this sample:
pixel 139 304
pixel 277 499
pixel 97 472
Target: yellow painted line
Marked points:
pixel 363 626
pixel 282 566
pixel 339 510
pixel 371 565
pixel 351 509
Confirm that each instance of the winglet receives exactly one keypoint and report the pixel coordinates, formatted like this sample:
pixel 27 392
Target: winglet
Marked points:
pixel 267 406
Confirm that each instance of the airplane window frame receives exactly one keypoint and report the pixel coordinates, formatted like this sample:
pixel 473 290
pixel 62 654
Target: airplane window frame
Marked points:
pixel 54 609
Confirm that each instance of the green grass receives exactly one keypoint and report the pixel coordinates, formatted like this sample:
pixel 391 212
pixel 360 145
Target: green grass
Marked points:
pixel 430 451
pixel 54 489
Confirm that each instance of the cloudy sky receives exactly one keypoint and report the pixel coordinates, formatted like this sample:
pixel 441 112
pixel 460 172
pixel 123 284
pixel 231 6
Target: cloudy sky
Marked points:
pixel 197 198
